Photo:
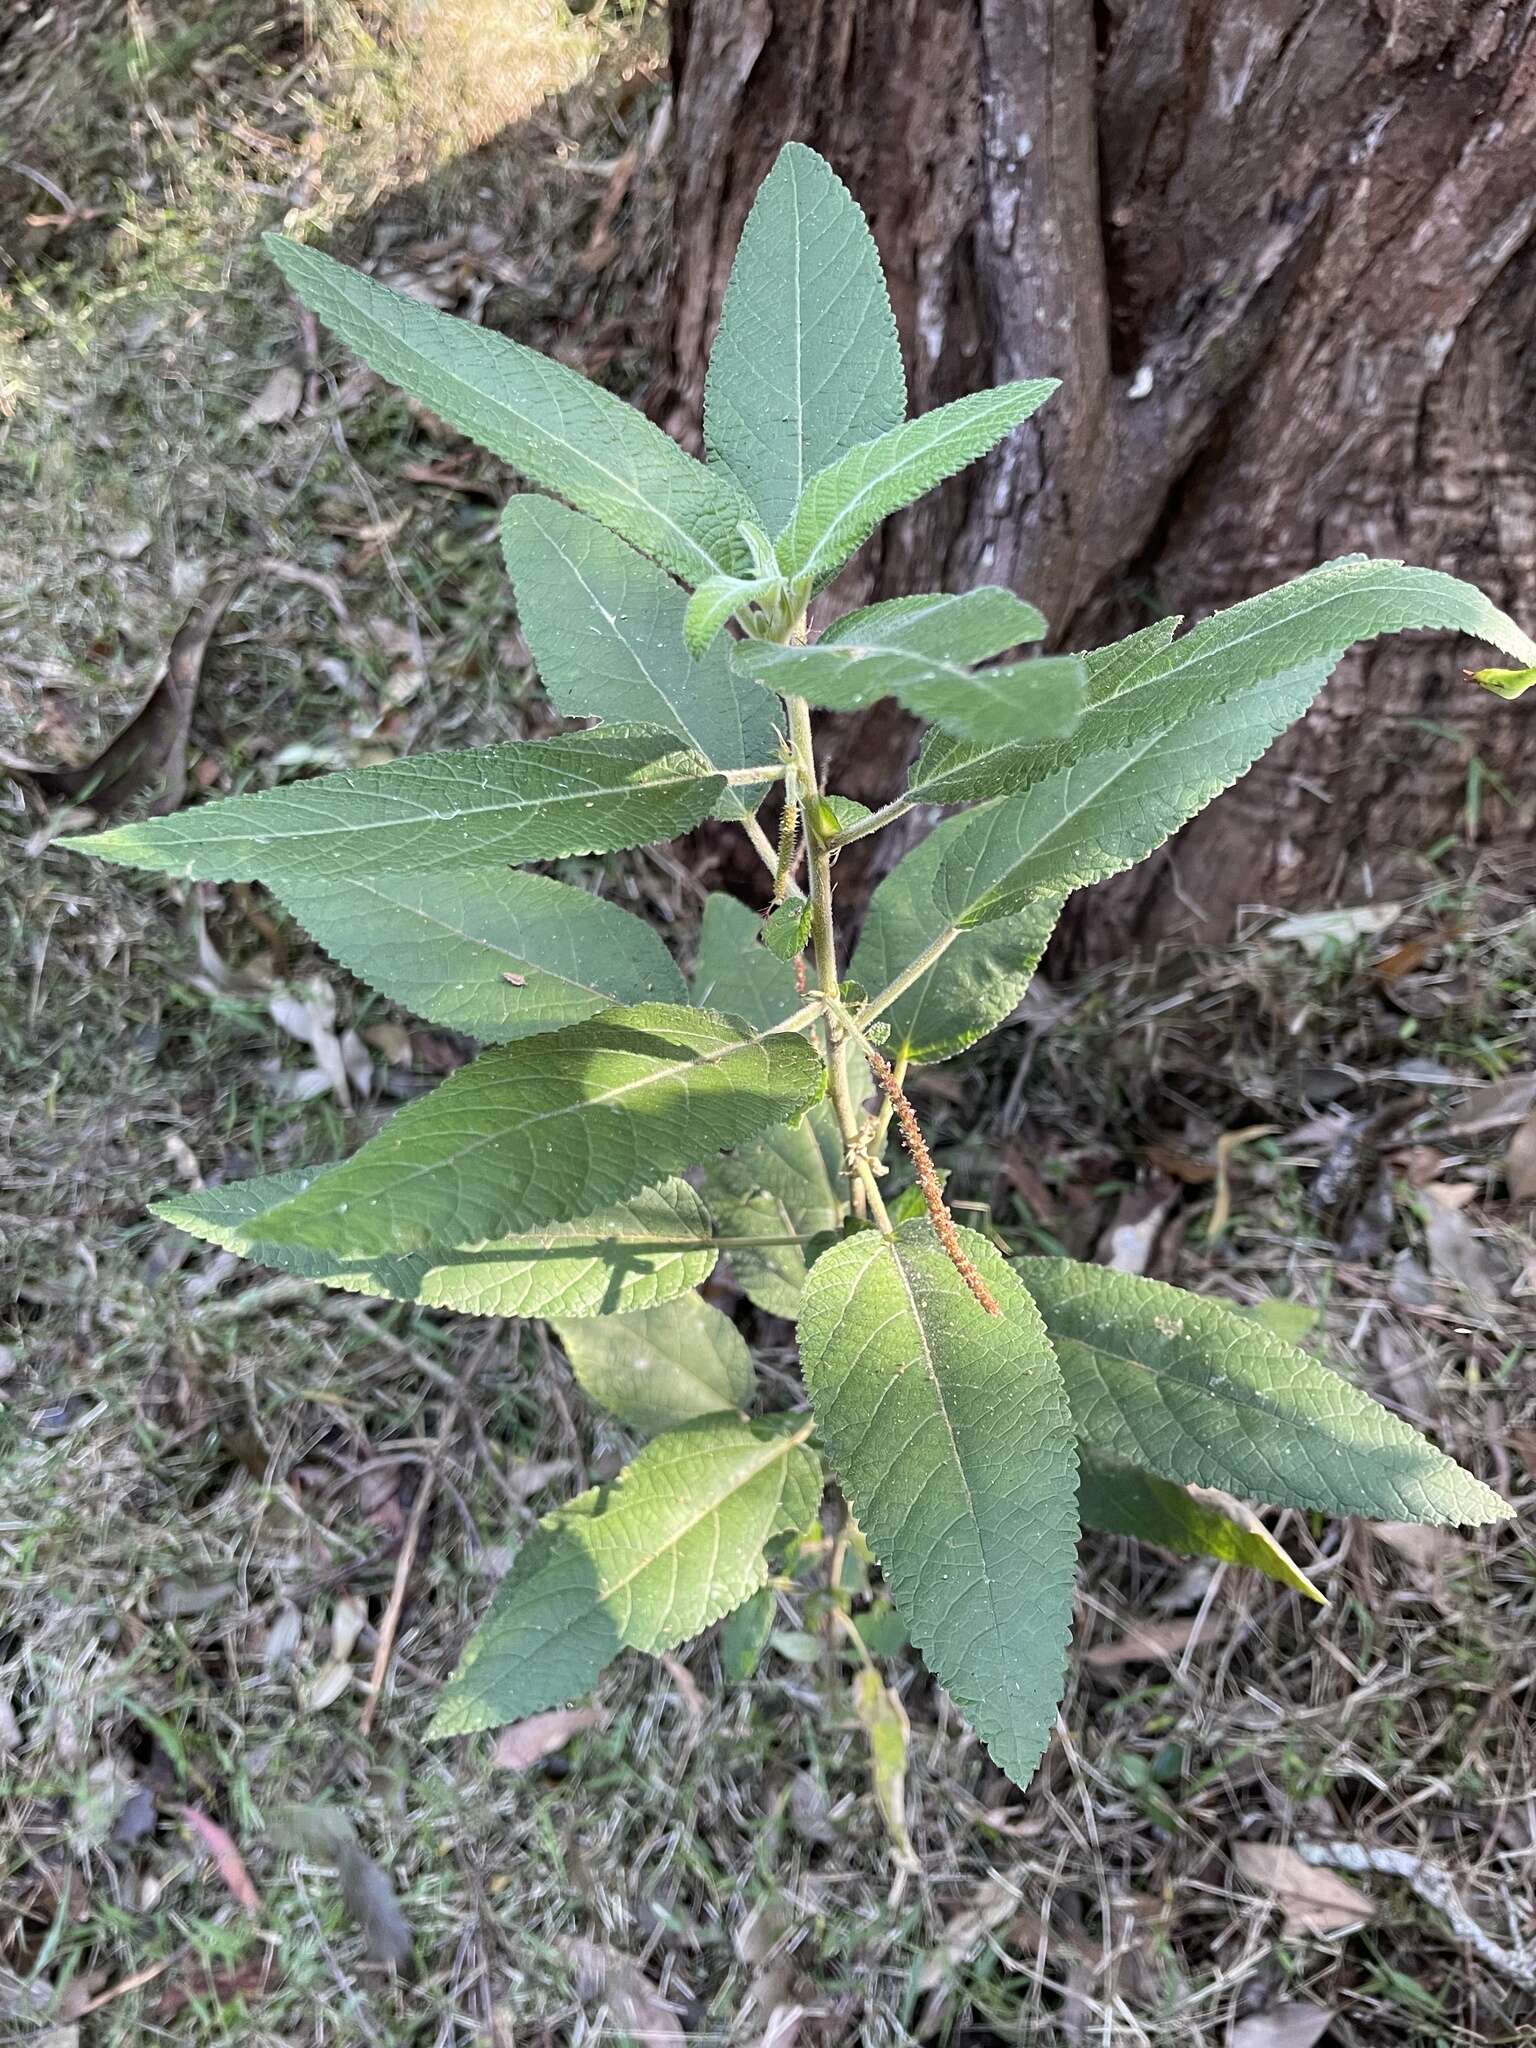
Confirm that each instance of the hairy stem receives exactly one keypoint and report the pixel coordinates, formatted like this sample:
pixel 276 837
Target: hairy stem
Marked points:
pixel 761 844
pixel 864 1188
pixel 875 822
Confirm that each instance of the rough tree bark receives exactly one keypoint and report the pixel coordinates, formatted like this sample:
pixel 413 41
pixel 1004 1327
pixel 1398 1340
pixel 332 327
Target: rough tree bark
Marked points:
pixel 1283 256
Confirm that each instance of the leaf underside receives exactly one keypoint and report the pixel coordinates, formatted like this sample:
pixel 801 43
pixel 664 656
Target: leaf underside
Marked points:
pixel 673 1545
pixel 663 1366
pixel 1126 1502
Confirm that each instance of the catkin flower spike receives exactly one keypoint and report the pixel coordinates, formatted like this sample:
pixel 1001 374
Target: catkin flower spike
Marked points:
pixel 789 845
pixel 922 1162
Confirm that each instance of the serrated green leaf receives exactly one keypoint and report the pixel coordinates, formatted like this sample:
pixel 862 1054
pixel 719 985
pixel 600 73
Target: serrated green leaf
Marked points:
pixel 638 1253
pixel 1109 810
pixel 607 631
pixel 976 983
pixel 744 1635
pixel 806 362
pixel 672 1546
pixel 495 953
pixel 553 1127
pixel 1021 701
pixel 1195 1393
pixel 659 1367
pixel 715 603
pixel 951 771
pixel 584 792
pixel 951 1436
pixel 737 976
pixel 1127 1502
pixel 786 930
pixel 1151 684
pixel 841 507
pixel 965 626
pixel 553 425
pixel 870 653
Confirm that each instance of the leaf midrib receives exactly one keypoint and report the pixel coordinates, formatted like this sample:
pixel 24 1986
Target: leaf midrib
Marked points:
pixel 778 1449
pixel 811 565
pixel 954 1444
pixel 617 627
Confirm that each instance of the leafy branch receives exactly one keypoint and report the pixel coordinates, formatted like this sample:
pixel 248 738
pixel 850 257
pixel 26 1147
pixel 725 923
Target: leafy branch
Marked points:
pixel 973 1408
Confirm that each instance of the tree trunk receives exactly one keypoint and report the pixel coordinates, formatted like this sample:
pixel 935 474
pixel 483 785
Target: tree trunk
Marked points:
pixel 1283 257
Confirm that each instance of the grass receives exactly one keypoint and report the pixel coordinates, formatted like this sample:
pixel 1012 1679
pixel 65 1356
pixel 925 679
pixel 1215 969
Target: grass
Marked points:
pixel 204 1472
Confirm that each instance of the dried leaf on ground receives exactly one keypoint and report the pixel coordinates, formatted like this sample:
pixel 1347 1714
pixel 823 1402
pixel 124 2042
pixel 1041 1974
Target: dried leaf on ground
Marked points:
pixel 1311 1901
pixel 1317 930
pixel 1495 1107
pixel 1456 1257
pixel 1423 1544
pixel 308 1014
pixel 227 1859
pixel 684 1684
pixel 150 753
pixel 525 1743
pixel 367 1892
pixel 1294 2024
pixel 992 1904
pixel 1520 1165
pixel 248 1980
pixel 277 400
pixel 634 2004
pixel 1131 1240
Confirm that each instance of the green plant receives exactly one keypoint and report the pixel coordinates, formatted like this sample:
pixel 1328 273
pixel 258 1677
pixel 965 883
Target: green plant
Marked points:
pixel 973 1408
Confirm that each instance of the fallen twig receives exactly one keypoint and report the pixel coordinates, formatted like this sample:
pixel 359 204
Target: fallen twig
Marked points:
pixel 1434 1886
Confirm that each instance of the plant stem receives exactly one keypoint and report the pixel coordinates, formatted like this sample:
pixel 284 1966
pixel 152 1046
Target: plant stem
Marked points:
pixel 864 1188
pixel 761 843
pixel 875 822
